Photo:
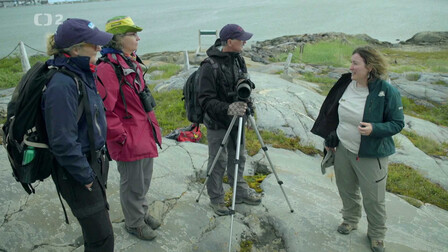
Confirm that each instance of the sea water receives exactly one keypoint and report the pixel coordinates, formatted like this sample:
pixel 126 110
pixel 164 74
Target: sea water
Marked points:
pixel 172 25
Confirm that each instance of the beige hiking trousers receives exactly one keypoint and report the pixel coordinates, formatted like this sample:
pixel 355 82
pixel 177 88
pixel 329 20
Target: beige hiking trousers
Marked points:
pixel 368 176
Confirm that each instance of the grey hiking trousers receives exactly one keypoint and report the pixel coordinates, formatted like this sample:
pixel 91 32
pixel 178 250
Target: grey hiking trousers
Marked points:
pixel 135 179
pixel 226 159
pixel 368 175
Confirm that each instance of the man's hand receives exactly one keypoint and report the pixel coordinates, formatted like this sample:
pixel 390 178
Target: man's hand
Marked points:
pixel 237 108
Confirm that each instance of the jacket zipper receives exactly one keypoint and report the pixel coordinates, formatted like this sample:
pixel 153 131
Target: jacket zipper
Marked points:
pixel 96 121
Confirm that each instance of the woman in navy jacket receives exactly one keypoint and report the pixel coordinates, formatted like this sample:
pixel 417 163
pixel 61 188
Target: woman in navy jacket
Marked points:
pixel 74 47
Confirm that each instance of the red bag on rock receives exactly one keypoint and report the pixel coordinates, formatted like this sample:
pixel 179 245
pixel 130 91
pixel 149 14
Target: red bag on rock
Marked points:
pixel 190 133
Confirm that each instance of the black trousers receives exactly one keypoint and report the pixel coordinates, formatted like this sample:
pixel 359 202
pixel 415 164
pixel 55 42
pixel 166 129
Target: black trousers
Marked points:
pixel 90 208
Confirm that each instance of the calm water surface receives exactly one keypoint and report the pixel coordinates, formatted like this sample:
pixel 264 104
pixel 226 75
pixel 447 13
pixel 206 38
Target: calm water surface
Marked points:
pixel 172 25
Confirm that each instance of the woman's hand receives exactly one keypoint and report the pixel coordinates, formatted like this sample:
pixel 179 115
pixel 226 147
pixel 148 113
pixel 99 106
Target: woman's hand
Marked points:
pixel 365 128
pixel 89 186
pixel 330 149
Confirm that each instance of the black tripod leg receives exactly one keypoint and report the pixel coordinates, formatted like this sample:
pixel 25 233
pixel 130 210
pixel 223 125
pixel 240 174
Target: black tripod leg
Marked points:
pixel 265 149
pixel 223 143
pixel 235 176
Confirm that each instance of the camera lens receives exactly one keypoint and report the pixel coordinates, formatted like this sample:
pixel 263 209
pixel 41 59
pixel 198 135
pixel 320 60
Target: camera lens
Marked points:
pixel 243 89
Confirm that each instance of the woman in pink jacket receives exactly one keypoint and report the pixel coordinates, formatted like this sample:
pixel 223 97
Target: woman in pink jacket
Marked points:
pixel 133 132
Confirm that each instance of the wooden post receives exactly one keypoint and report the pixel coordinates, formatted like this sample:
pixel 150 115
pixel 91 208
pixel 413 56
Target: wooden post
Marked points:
pixel 287 63
pixel 302 47
pixel 24 58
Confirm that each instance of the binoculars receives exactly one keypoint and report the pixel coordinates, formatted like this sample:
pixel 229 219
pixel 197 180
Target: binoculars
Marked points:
pixel 147 99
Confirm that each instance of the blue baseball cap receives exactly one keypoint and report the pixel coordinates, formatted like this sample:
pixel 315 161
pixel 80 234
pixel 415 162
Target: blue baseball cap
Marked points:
pixel 234 31
pixel 74 31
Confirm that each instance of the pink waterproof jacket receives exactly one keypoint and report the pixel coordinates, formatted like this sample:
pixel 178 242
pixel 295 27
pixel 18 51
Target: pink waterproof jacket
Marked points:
pixel 131 136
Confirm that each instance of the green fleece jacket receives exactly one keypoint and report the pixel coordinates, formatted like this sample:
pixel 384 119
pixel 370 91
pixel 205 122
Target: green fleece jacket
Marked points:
pixel 383 110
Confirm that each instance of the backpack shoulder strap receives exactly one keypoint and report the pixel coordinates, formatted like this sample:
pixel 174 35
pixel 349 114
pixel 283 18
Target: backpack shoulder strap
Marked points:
pixel 215 65
pixel 78 82
pixel 120 76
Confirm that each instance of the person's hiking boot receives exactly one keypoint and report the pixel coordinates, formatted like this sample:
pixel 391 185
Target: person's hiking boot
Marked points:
pixel 346 228
pixel 143 232
pixel 220 209
pixel 251 198
pixel 152 222
pixel 377 245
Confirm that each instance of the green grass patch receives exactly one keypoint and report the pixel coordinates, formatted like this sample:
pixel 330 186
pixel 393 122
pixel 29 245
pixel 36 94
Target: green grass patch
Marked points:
pixel 325 83
pixel 404 61
pixel 440 82
pixel 437 114
pixel 246 245
pixel 167 69
pixel 404 180
pixel 413 76
pixel 426 144
pixel 276 140
pixel 254 182
pixel 11 70
pixel 335 53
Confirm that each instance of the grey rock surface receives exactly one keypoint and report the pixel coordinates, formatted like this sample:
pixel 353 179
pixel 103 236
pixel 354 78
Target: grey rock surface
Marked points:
pixel 423 88
pixel 426 129
pixel 36 222
pixel 5 97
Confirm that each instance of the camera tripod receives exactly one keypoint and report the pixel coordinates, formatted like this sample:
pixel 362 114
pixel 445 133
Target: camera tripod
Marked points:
pixel 237 157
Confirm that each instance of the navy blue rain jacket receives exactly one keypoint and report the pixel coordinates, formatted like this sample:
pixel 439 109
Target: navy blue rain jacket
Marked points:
pixel 68 139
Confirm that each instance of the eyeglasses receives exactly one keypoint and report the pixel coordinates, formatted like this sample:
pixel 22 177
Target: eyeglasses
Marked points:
pixel 92 45
pixel 132 34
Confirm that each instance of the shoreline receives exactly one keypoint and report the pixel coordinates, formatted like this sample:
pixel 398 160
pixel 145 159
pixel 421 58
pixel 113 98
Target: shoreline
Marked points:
pixel 261 51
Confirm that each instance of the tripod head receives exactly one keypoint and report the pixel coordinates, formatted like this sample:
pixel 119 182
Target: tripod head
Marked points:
pixel 250 109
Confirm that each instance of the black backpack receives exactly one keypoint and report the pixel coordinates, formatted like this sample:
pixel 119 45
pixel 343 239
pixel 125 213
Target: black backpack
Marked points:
pixel 25 127
pixel 190 92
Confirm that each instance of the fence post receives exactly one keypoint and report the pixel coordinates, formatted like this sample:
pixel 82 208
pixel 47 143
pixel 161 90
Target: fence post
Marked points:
pixel 186 61
pixel 302 47
pixel 24 58
pixel 288 63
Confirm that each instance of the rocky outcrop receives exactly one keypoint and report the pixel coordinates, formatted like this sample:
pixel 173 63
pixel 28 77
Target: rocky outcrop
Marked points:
pixel 267 50
pixel 428 38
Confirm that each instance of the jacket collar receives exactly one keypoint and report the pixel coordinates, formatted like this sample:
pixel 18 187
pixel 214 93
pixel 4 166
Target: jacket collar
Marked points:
pixel 79 65
pixel 216 51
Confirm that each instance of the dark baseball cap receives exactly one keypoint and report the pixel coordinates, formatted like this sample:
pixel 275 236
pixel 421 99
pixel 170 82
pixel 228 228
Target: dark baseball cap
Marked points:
pixel 234 31
pixel 74 31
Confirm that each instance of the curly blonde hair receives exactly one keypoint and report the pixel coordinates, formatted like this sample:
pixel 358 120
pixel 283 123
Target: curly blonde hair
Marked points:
pixel 52 49
pixel 374 59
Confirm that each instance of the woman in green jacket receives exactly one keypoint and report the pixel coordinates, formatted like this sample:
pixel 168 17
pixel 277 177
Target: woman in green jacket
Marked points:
pixel 357 120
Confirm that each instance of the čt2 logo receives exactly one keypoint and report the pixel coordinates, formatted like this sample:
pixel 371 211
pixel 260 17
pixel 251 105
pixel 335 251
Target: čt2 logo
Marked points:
pixel 48 18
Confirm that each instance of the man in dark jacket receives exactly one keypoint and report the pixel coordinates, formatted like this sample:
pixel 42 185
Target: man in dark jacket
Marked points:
pixel 217 97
